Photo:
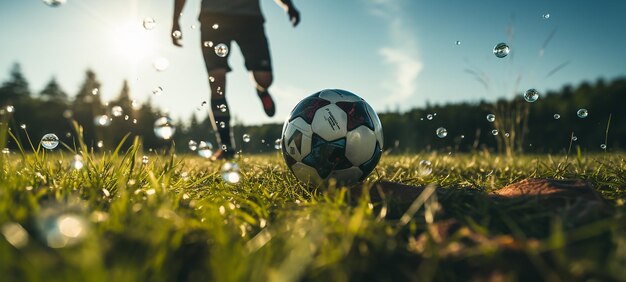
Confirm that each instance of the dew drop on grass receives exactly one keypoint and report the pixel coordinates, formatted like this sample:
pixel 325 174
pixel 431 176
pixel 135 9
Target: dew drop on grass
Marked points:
pixel 507 135
pixel 501 50
pixel 574 138
pixel 582 113
pixel 77 162
pixel 102 121
pixel 193 145
pixel 23 126
pixel 205 149
pixel 531 95
pixel 149 23
pixel 441 132
pixel 224 147
pixel 230 172
pixel 221 50
pixel 491 117
pixel 144 160
pixel 100 144
pixel 164 128
pixel 49 141
pixel 117 111
pixel 557 116
pixel 246 138
pixel 424 168
pixel 494 132
pixel 603 146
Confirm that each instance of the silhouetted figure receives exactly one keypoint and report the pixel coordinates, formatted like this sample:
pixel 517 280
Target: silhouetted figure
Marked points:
pixel 223 21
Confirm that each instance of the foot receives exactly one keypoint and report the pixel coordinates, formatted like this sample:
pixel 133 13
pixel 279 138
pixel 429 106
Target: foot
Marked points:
pixel 220 154
pixel 268 103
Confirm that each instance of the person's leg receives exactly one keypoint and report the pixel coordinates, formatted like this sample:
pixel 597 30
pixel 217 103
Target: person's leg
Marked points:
pixel 220 113
pixel 263 80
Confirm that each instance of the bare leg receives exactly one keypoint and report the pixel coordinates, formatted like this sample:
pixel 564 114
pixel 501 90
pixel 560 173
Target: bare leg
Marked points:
pixel 263 81
pixel 220 113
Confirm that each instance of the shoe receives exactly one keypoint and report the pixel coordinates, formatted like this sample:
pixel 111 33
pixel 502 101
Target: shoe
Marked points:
pixel 220 154
pixel 268 103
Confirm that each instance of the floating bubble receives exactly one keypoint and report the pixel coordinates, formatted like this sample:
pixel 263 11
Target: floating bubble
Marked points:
pixel 102 120
pixel 215 26
pixel 126 117
pixel 205 149
pixel 222 124
pixel 10 109
pixel 193 145
pixel 15 234
pixel 494 132
pixel 429 117
pixel 246 138
pixel 556 116
pixel 135 105
pixel 222 108
pixel 50 141
pixel 224 147
pixel 95 91
pixel 441 132
pixel 177 34
pixel 531 95
pixel 117 111
pixel 211 79
pixel 491 117
pixel 546 16
pixel 603 146
pixel 54 3
pixel 506 134
pixel 574 138
pixel 230 172
pixel 161 63
pixel 77 162
pixel 207 44
pixel 23 126
pixel 157 91
pixel 62 230
pixel 424 168
pixel 462 136
pixel 149 23
pixel 68 114
pixel 164 128
pixel 582 113
pixel 457 42
pixel 277 144
pixel 203 103
pixel 100 144
pixel 221 50
pixel 501 50
pixel 144 160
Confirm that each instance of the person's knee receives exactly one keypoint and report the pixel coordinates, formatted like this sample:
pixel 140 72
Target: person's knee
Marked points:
pixel 263 78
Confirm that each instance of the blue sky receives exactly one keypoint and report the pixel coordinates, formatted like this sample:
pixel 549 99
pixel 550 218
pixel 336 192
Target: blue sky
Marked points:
pixel 397 54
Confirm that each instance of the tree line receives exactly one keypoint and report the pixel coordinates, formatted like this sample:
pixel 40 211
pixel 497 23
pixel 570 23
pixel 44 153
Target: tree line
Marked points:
pixel 549 125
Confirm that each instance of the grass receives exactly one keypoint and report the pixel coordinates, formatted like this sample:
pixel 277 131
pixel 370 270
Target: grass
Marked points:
pixel 175 219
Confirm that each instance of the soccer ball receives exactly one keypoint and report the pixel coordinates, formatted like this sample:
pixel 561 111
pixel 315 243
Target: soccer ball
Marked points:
pixel 332 134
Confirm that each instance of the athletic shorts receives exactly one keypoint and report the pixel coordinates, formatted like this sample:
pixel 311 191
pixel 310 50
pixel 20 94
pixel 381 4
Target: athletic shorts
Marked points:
pixel 247 31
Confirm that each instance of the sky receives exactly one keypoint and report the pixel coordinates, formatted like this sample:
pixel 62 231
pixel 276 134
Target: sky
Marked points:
pixel 396 54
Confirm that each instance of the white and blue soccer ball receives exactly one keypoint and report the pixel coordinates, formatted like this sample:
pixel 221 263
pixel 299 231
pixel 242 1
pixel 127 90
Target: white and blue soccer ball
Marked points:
pixel 332 134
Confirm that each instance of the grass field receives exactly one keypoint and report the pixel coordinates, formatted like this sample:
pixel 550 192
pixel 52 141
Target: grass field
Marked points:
pixel 175 218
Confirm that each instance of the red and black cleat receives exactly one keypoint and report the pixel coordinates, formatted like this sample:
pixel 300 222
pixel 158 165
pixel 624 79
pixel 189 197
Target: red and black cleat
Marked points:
pixel 268 103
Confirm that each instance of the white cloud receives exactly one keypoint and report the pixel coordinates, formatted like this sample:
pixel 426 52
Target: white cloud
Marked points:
pixel 401 52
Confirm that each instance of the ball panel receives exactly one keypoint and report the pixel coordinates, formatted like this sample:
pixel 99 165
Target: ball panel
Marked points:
pixel 378 127
pixel 297 138
pixel 306 174
pixel 338 95
pixel 306 108
pixel 327 156
pixel 370 164
pixel 360 145
pixel 357 114
pixel 346 176
pixel 330 122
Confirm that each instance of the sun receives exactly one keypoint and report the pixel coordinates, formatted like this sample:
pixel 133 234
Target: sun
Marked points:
pixel 132 41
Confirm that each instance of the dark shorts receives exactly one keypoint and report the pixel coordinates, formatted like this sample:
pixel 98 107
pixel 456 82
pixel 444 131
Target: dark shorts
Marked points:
pixel 247 31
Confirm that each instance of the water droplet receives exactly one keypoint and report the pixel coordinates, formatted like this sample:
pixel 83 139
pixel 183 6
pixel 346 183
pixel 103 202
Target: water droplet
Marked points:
pixel 507 135
pixel 23 126
pixel 556 116
pixel 77 162
pixel 603 146
pixel 61 230
pixel 224 148
pixel 429 117
pixel 582 113
pixel 494 132
pixel 134 121
pixel 491 117
pixel 164 128
pixel 10 109
pixel 49 141
pixel 205 149
pixel 221 50
pixel 100 144
pixel 531 95
pixel 126 117
pixel 207 44
pixel 177 34
pixel 211 79
pixel 462 136
pixel 501 50
pixel 442 132
pixel 95 91
pixel 277 144
pixel 222 108
pixel 54 3
pixel 106 192
pixel 135 105
pixel 6 151
pixel 144 160
pixel 117 111
pixel 246 138
pixel 215 26
pixel 149 23
pixel 102 120
pixel 161 63
pixel 457 42
pixel 222 124
pixel 193 145
pixel 15 234
pixel 230 172
pixel 424 168
pixel 546 16
pixel 157 91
